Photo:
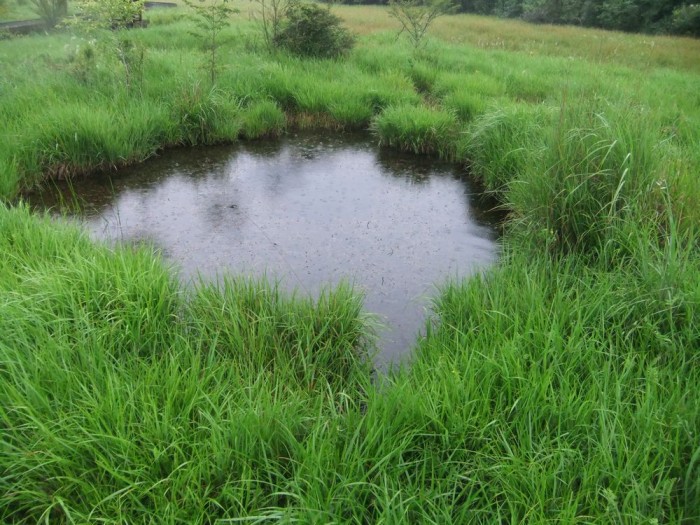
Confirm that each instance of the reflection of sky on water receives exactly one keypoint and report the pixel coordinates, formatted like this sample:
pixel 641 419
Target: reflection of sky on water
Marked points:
pixel 309 210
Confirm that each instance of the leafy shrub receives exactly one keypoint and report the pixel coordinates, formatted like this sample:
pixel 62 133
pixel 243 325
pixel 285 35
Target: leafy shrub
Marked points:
pixel 109 14
pixel 311 30
pixel 271 15
pixel 686 20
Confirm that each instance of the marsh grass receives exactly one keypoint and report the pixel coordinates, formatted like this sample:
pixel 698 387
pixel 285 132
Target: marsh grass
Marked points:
pixel 561 399
pixel 204 115
pixel 416 129
pixel 503 142
pixel 262 119
pixel 602 173
pixel 444 77
pixel 152 385
pixel 559 386
pixel 253 324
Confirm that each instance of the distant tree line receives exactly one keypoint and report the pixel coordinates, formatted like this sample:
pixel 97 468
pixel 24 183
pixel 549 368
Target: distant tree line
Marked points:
pixel 644 16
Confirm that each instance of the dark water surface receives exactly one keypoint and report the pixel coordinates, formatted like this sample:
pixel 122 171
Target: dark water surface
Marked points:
pixel 310 210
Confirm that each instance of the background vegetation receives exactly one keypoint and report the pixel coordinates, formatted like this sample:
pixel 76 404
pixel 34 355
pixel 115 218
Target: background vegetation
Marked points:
pixel 558 387
pixel 660 16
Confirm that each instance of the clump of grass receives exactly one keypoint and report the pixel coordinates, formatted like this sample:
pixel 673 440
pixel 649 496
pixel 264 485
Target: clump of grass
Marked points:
pixel 600 174
pixel 262 119
pixel 204 116
pixel 465 105
pixel 60 152
pixel 352 113
pixel 9 175
pixel 423 76
pixel 416 129
pixel 478 83
pixel 501 144
pixel 382 51
pixel 254 325
pixel 123 395
pixel 79 139
pixel 528 384
pixel 81 292
pixel 529 86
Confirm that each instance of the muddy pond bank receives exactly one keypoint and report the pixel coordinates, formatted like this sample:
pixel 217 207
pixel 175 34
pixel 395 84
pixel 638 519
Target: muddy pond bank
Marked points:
pixel 310 210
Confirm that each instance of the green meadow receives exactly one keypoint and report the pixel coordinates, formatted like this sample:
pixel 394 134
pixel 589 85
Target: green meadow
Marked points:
pixel 561 386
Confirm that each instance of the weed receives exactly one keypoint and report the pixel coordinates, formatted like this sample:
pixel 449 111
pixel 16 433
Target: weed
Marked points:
pixel 416 16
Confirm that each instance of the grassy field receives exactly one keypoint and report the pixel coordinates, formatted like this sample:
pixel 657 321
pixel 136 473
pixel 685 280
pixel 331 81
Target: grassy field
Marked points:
pixel 16 10
pixel 561 386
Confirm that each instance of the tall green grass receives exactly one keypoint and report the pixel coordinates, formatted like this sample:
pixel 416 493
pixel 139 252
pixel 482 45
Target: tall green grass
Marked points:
pixel 262 119
pixel 603 173
pixel 567 389
pixel 417 129
pixel 557 387
pixel 124 395
pixel 60 94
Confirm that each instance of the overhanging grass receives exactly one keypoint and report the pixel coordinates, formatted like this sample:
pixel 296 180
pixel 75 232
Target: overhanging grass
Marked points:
pixel 549 390
pixel 417 129
pixel 469 82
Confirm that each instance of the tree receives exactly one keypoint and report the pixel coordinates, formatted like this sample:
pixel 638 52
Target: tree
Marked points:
pixel 416 16
pixel 686 20
pixel 211 19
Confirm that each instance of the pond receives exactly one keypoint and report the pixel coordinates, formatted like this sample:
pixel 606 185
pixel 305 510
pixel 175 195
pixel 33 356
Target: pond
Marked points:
pixel 309 210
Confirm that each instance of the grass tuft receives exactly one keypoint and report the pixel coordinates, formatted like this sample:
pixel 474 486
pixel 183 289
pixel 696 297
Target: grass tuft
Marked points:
pixel 416 129
pixel 262 119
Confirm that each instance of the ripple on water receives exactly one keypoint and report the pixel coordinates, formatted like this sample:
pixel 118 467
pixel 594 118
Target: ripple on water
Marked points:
pixel 308 209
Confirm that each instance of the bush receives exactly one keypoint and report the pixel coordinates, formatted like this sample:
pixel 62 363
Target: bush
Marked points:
pixel 686 20
pixel 105 14
pixel 311 30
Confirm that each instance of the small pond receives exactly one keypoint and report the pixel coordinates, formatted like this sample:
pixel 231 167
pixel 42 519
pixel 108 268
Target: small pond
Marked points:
pixel 310 210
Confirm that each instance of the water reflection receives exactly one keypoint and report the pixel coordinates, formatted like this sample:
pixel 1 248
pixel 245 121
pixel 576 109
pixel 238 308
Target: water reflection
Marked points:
pixel 310 210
